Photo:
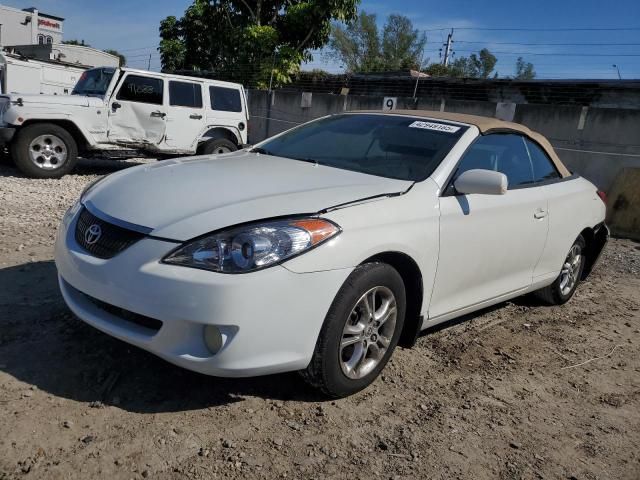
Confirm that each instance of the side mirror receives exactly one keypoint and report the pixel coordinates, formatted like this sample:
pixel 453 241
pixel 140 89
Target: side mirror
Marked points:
pixel 115 106
pixel 484 182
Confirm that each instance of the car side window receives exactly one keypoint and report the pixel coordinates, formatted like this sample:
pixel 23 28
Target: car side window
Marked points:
pixel 225 99
pixel 543 167
pixel 137 88
pixel 504 153
pixel 185 94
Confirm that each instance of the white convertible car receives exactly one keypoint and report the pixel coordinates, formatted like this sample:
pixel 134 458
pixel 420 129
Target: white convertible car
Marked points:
pixel 323 248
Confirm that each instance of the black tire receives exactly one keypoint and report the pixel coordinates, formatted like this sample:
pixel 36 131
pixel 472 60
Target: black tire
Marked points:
pixel 22 158
pixel 217 146
pixel 553 294
pixel 325 372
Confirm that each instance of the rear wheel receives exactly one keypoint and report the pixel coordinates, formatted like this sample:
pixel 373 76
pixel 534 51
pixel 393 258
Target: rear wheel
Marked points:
pixel 218 146
pixel 563 288
pixel 44 150
pixel 360 331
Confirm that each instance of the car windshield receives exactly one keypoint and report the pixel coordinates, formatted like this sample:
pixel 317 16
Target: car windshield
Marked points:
pixel 392 146
pixel 94 82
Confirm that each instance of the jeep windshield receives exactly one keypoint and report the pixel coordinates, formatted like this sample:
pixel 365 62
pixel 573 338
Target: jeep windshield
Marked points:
pixel 393 146
pixel 94 82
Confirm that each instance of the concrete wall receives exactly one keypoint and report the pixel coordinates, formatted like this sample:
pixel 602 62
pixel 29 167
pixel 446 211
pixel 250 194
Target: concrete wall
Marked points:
pixel 596 143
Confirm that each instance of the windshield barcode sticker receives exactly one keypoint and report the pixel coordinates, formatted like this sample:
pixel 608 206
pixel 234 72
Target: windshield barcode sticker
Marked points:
pixel 439 127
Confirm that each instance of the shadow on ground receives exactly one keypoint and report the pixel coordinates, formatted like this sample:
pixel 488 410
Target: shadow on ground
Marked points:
pixel 43 344
pixel 84 167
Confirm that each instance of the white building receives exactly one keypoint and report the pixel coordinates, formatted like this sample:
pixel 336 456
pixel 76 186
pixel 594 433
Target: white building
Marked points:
pixel 29 27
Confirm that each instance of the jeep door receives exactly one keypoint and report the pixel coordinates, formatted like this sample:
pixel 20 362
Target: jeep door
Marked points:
pixel 137 115
pixel 185 115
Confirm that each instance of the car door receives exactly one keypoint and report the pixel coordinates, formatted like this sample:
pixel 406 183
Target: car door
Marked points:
pixel 137 114
pixel 489 244
pixel 185 115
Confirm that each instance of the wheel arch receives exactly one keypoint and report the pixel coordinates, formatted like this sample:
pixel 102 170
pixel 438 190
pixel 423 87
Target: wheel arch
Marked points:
pixel 219 132
pixel 68 125
pixel 595 239
pixel 414 288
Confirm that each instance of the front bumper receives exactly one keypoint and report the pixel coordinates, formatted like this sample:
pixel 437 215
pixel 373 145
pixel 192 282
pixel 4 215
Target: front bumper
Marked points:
pixel 270 319
pixel 6 134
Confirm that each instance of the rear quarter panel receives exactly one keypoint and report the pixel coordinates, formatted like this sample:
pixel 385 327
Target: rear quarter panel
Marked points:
pixel 574 205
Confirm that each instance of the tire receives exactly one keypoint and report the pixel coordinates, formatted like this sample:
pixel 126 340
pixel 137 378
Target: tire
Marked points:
pixel 218 146
pixel 558 292
pixel 59 151
pixel 329 368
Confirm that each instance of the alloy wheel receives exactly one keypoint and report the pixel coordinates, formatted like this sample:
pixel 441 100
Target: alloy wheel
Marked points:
pixel 368 332
pixel 48 152
pixel 570 270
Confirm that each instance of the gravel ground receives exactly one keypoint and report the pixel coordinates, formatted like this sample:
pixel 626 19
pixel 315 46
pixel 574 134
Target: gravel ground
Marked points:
pixel 517 391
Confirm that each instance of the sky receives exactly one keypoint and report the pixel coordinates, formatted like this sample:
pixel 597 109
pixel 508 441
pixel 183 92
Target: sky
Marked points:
pixel 544 32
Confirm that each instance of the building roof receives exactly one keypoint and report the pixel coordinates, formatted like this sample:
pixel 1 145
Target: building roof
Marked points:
pixel 486 125
pixel 40 14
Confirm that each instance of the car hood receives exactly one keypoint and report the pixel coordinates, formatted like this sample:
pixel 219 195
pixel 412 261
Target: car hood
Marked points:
pixel 181 199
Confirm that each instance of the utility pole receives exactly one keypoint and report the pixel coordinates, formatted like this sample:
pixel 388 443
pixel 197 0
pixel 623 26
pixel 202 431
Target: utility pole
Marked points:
pixel 149 63
pixel 447 49
pixel 618 70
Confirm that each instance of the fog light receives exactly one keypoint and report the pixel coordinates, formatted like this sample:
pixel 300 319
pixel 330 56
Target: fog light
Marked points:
pixel 213 338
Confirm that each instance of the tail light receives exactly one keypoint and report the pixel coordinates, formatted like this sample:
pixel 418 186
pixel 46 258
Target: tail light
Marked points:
pixel 603 196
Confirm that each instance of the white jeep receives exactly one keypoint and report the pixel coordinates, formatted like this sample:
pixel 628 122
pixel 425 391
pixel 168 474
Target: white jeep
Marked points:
pixel 122 113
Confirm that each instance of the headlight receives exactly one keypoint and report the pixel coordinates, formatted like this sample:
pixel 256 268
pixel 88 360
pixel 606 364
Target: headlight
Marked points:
pixel 254 246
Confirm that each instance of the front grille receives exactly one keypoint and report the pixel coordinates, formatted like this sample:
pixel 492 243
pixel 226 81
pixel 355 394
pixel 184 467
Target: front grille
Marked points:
pixel 103 239
pixel 126 315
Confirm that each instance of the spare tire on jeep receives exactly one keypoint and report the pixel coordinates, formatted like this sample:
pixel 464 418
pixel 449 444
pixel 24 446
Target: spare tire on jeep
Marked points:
pixel 44 150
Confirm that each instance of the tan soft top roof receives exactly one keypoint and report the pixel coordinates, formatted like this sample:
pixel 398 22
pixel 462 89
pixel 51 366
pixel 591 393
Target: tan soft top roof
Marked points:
pixel 485 125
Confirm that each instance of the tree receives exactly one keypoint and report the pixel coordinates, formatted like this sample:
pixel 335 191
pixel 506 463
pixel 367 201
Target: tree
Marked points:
pixel 358 46
pixel 121 57
pixel 524 70
pixel 250 41
pixel 402 45
pixel 75 42
pixel 481 65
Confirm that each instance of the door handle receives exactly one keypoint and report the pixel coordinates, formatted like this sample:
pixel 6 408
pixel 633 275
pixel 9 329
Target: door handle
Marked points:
pixel 540 214
pixel 158 113
pixel 195 116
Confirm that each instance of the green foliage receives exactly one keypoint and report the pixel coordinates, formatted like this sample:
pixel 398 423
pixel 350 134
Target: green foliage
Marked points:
pixel 358 46
pixel 473 66
pixel 121 57
pixel 75 42
pixel 524 70
pixel 254 42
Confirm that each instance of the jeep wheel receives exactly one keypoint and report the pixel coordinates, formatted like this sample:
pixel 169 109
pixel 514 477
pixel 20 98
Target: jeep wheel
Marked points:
pixel 44 150
pixel 217 146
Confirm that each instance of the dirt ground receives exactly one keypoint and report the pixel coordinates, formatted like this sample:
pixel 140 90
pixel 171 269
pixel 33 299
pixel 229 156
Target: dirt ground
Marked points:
pixel 518 391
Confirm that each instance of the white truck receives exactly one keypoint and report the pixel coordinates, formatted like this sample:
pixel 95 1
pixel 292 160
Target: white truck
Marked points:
pixel 122 113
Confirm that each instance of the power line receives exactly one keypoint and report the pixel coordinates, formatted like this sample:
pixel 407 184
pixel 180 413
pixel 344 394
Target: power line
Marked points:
pixel 586 29
pixel 553 44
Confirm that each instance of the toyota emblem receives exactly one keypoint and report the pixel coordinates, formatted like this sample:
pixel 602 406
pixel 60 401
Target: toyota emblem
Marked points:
pixel 92 234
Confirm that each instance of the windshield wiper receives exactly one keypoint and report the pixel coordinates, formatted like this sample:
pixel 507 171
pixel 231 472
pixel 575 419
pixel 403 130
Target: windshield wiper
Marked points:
pixel 261 150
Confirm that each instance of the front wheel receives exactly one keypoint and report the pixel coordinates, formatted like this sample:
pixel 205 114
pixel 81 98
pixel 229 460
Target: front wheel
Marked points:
pixel 563 288
pixel 44 150
pixel 360 331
